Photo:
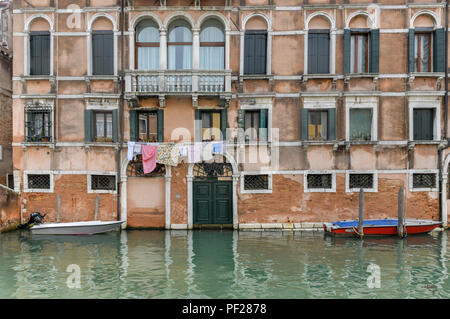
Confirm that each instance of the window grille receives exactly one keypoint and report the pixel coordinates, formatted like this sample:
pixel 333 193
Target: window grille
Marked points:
pixel 319 180
pixel 38 181
pixel 424 180
pixel 136 169
pixel 103 182
pixel 256 182
pixel 361 181
pixel 38 124
pixel 205 170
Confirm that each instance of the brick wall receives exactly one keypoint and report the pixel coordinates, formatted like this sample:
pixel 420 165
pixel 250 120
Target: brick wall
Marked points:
pixel 9 208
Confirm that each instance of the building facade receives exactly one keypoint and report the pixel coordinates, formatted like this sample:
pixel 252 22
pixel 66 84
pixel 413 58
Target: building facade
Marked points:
pixel 315 100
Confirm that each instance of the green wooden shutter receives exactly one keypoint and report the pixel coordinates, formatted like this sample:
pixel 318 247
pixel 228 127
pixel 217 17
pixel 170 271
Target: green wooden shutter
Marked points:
pixel 411 50
pixel 263 117
pixel 160 125
pixel 423 124
pixel 439 50
pixel 224 123
pixel 115 128
pixel 40 53
pixel 318 53
pixel 347 50
pixel 88 125
pixel 198 126
pixel 248 53
pixel 305 124
pixel 255 52
pixel 133 126
pixel 103 52
pixel 374 51
pixel 261 51
pixel 332 124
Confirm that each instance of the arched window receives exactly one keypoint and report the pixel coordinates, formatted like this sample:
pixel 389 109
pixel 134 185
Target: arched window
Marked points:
pixel 102 47
pixel 212 46
pixel 40 50
pixel 180 46
pixel 319 46
pixel 147 44
pixel 255 46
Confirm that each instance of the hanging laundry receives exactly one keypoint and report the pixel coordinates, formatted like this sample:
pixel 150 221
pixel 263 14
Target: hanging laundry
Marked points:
pixel 137 150
pixel 130 151
pixel 183 150
pixel 207 151
pixel 168 154
pixel 194 153
pixel 218 147
pixel 149 153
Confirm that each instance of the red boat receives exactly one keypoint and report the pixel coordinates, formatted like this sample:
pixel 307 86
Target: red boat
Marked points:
pixel 380 227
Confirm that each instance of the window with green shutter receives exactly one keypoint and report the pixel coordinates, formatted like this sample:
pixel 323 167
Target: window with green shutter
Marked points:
pixel 319 124
pixel 360 124
pixel 423 122
pixel 255 125
pixel 255 51
pixel 318 51
pixel 40 53
pixel 361 51
pixel 147 126
pixel 101 126
pixel 103 52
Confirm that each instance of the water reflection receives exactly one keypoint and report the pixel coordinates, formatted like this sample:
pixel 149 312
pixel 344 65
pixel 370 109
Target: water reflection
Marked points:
pixel 222 264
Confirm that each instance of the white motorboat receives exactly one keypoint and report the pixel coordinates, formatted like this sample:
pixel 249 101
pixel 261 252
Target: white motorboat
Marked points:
pixel 75 228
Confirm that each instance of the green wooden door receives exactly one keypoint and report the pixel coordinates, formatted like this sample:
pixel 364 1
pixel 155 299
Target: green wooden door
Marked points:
pixel 213 202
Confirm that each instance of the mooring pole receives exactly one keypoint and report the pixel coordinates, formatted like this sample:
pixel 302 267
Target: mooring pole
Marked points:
pixel 361 213
pixel 400 226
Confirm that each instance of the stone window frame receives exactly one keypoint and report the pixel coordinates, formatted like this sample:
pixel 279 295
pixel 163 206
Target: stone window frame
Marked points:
pixel 319 190
pixel 256 191
pixel 362 102
pixel 423 189
pixel 374 188
pixel 425 102
pixel 43 104
pixel 100 191
pixel 260 104
pixel 38 190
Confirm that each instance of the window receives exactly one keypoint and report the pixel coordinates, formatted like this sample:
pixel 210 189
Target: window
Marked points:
pixel 255 125
pixel 147 126
pixel 357 181
pixel 10 181
pixel 319 181
pixel 423 52
pixel 180 46
pixel 424 180
pixel 38 124
pixel 212 46
pixel 318 51
pixel 211 126
pixel 255 51
pixel 147 46
pixel 40 53
pixel 38 181
pixel 103 182
pixel 423 124
pixel 360 124
pixel 103 126
pixel 317 125
pixel 359 62
pixel 256 182
pixel 103 52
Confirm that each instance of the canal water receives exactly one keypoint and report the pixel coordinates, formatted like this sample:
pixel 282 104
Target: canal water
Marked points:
pixel 222 264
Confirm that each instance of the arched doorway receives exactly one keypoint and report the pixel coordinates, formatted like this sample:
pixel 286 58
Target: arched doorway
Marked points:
pixel 212 194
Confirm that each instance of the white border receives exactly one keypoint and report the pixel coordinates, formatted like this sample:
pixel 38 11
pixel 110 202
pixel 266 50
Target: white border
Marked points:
pixel 256 191
pixel 424 102
pixel 374 189
pixel 38 190
pixel 362 102
pixel 101 191
pixel 319 190
pixel 430 171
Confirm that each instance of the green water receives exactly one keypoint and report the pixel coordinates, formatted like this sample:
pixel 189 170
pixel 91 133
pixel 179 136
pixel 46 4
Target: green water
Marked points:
pixel 222 264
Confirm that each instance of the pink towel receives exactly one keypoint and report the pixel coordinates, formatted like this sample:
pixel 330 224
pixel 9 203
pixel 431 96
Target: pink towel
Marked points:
pixel 149 153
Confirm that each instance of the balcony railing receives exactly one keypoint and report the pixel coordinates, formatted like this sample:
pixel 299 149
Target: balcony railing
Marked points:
pixel 203 82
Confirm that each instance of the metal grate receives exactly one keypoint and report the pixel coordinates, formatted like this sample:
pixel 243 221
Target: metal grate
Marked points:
pixel 213 170
pixel 319 180
pixel 424 180
pixel 103 182
pixel 38 181
pixel 38 124
pixel 136 169
pixel 256 182
pixel 361 181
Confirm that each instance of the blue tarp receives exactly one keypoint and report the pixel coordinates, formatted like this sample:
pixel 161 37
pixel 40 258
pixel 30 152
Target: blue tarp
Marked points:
pixel 366 223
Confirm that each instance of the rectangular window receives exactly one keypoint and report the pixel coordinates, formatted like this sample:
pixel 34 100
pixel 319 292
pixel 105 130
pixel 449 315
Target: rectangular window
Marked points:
pixel 318 52
pixel 423 52
pixel 148 126
pixel 103 182
pixel 317 125
pixel 424 180
pixel 360 124
pixel 211 126
pixel 40 53
pixel 255 51
pixel 320 181
pixel 102 53
pixel 361 181
pixel 10 181
pixel 103 128
pixel 256 182
pixel 38 124
pixel 423 124
pixel 38 181
pixel 359 61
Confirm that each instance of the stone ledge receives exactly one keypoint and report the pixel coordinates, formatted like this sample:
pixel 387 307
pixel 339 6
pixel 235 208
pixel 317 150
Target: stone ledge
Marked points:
pixel 283 226
pixel 178 226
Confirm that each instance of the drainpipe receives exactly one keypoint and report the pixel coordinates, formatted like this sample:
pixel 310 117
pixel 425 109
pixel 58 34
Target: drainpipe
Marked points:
pixel 121 105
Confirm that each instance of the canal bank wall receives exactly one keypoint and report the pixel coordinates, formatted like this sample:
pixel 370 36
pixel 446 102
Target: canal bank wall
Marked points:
pixel 9 209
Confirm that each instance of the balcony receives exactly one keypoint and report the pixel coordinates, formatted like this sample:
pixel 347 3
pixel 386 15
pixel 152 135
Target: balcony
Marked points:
pixel 164 83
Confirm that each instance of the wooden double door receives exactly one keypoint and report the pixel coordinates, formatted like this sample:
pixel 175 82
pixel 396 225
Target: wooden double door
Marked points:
pixel 213 201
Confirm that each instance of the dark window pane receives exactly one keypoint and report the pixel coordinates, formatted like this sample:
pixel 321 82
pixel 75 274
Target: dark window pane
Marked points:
pixel 361 180
pixel 424 180
pixel 423 124
pixel 38 181
pixel 319 181
pixel 103 182
pixel 256 182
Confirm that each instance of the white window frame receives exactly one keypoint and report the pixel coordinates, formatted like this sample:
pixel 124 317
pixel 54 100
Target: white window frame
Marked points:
pixel 361 102
pixel 319 190
pixel 51 108
pixel 100 191
pixel 256 191
pixel 374 188
pixel 423 189
pixel 38 190
pixel 425 102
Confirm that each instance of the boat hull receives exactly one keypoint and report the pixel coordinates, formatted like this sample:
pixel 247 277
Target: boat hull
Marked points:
pixel 376 227
pixel 77 228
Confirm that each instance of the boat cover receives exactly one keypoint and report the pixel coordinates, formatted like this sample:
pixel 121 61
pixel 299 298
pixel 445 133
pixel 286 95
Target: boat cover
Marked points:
pixel 373 222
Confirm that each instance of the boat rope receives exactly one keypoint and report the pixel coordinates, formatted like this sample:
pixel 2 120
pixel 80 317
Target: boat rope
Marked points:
pixel 356 231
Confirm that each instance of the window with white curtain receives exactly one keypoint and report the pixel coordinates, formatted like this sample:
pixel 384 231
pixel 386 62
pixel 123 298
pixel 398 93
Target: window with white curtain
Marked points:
pixel 180 46
pixel 423 51
pixel 212 46
pixel 147 44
